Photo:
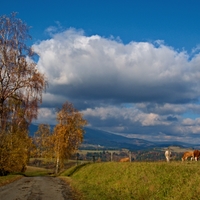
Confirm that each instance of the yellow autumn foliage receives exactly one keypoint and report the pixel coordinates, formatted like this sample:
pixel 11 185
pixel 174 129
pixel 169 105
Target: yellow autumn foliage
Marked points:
pixel 68 133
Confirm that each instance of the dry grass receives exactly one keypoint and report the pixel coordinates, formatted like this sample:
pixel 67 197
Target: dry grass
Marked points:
pixel 9 179
pixel 31 171
pixel 37 171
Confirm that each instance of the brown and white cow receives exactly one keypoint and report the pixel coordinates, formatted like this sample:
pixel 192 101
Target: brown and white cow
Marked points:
pixel 196 154
pixel 168 154
pixel 187 155
pixel 124 160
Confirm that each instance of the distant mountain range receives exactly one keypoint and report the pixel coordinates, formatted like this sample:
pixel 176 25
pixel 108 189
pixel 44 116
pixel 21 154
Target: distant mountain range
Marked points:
pixel 102 139
pixel 98 139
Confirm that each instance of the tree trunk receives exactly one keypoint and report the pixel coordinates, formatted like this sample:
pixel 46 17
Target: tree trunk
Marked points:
pixel 1 115
pixel 57 165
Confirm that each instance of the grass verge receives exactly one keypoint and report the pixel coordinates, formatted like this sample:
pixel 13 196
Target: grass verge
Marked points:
pixel 9 179
pixel 37 171
pixel 136 180
pixel 31 171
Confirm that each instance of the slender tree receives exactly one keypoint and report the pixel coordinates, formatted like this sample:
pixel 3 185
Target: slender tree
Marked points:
pixel 43 141
pixel 21 84
pixel 68 133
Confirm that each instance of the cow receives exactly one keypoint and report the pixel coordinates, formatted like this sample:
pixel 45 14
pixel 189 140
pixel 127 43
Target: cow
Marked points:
pixel 168 154
pixel 188 154
pixel 196 154
pixel 124 160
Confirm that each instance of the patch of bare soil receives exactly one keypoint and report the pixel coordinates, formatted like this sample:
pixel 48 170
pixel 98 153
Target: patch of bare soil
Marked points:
pixel 37 188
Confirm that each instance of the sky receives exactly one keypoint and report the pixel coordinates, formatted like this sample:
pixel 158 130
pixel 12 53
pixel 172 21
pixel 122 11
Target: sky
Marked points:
pixel 131 67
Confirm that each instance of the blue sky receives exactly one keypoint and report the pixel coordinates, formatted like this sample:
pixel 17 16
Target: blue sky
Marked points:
pixel 131 67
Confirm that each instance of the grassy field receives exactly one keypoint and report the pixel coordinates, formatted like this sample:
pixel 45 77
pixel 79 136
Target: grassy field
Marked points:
pixel 37 171
pixel 8 179
pixel 31 171
pixel 137 180
pixel 124 181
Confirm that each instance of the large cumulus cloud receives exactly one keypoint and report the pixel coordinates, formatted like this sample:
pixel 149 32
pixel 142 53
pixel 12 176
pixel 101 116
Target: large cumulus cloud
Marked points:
pixel 141 88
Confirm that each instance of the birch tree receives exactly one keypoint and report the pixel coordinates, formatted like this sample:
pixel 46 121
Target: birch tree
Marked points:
pixel 43 141
pixel 68 133
pixel 21 84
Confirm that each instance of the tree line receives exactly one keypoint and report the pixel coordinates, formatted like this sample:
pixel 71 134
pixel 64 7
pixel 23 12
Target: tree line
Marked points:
pixel 137 155
pixel 21 89
pixel 61 143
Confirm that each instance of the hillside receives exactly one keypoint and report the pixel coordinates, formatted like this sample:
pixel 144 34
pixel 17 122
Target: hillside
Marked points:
pixel 99 139
pixel 136 180
pixel 103 139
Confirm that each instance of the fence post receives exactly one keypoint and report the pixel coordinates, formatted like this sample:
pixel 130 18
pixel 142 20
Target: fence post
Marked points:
pixel 130 156
pixel 111 156
pixel 77 156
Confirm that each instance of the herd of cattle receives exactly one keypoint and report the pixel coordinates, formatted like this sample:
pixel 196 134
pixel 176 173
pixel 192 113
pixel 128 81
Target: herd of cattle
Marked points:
pixel 193 155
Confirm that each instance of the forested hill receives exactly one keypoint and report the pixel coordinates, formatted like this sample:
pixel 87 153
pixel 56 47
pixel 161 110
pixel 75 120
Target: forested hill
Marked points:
pixel 94 139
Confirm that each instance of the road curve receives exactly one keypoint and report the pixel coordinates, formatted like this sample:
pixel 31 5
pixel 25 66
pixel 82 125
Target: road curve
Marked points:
pixel 36 188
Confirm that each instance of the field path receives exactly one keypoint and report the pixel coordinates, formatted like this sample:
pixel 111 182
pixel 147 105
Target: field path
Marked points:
pixel 36 188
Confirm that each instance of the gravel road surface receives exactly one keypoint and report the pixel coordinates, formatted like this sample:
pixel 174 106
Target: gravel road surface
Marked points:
pixel 36 188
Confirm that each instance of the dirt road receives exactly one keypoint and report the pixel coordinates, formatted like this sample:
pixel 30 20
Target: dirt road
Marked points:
pixel 36 188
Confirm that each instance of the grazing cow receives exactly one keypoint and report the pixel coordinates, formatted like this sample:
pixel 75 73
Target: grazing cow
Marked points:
pixel 168 154
pixel 124 160
pixel 187 155
pixel 196 154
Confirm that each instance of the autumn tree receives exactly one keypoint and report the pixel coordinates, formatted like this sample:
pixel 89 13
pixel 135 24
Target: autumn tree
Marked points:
pixel 14 152
pixel 68 133
pixel 43 141
pixel 21 84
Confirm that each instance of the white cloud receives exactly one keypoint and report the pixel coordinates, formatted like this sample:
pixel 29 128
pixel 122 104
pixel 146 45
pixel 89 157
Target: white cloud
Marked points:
pixel 188 122
pixel 54 100
pixel 138 71
pixel 125 116
pixel 46 116
pixel 99 75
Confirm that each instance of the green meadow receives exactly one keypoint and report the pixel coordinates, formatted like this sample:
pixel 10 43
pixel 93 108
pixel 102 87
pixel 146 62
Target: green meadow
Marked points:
pixel 31 171
pixel 124 181
pixel 136 180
